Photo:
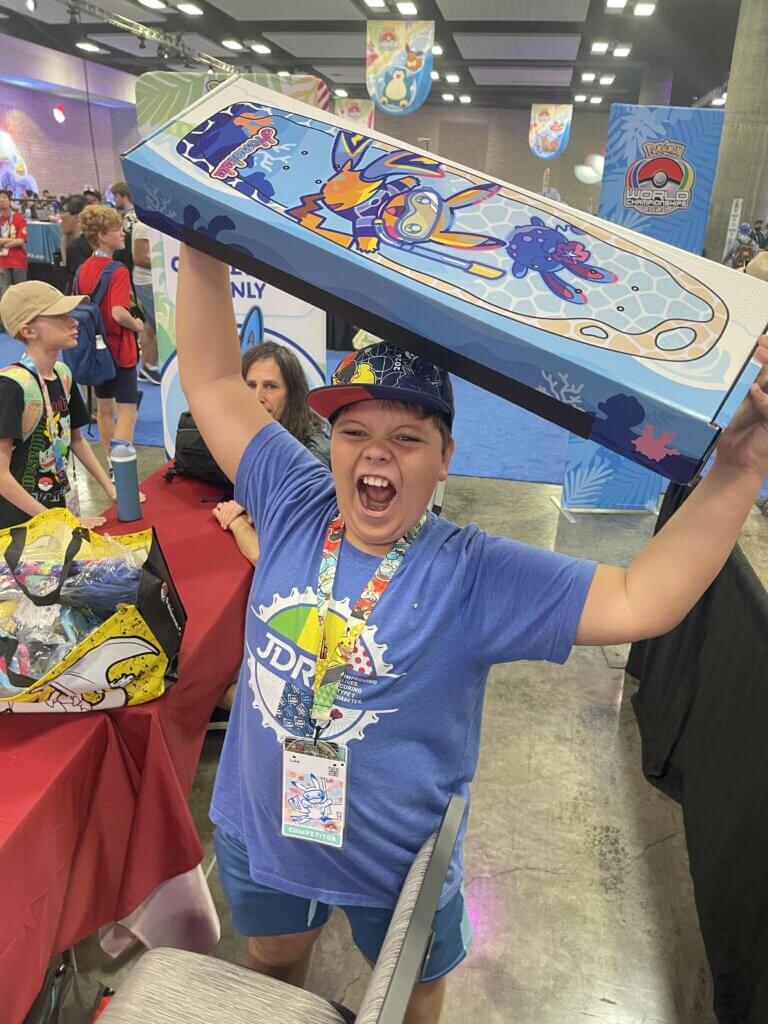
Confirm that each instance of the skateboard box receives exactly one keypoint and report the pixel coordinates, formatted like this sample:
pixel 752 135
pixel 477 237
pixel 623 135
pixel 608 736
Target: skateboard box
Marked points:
pixel 621 339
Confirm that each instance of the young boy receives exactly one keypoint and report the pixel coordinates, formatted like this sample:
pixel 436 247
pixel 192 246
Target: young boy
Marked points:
pixel 41 408
pixel 408 612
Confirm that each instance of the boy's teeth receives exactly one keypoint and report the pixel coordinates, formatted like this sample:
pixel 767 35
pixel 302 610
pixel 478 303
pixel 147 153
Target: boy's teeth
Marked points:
pixel 375 481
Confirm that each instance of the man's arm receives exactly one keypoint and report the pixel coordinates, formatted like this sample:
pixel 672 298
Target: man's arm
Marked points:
pixel 224 409
pixel 13 243
pixel 10 488
pixel 671 573
pixel 121 316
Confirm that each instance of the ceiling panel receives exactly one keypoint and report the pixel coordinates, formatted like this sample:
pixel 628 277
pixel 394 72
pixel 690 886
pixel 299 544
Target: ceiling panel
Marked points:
pixel 559 77
pixel 328 46
pixel 197 42
pixel 56 14
pixel 290 10
pixel 346 75
pixel 514 10
pixel 517 47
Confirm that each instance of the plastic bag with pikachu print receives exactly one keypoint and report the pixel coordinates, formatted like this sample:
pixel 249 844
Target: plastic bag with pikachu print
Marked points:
pixel 87 623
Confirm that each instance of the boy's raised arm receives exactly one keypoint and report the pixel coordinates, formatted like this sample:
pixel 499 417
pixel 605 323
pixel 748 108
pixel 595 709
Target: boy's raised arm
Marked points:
pixel 225 411
pixel 671 573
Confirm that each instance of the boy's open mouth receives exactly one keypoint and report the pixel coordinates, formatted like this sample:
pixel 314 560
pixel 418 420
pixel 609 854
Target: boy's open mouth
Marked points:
pixel 376 493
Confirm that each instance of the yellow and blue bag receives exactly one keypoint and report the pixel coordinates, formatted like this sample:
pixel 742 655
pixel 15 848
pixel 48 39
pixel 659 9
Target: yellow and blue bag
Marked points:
pixel 87 622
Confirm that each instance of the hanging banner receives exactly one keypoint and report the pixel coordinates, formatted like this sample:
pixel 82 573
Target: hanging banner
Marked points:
pixel 659 171
pixel 360 112
pixel 263 313
pixel 550 129
pixel 398 64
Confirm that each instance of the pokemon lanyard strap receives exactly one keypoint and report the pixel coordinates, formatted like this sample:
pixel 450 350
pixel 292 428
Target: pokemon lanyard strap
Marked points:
pixel 330 665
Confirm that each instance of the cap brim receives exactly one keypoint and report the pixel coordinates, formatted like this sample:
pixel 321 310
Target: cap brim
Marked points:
pixel 65 304
pixel 329 399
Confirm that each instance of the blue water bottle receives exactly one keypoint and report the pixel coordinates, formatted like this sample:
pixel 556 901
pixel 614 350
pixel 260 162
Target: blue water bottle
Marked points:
pixel 123 458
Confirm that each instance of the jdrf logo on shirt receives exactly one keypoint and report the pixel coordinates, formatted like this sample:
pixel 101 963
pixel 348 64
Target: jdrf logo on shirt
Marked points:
pixel 281 645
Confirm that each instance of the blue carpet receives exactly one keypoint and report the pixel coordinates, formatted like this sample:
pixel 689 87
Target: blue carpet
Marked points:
pixel 495 438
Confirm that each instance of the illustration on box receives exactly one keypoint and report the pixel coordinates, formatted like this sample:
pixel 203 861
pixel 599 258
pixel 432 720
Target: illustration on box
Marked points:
pixel 552 274
pixel 408 211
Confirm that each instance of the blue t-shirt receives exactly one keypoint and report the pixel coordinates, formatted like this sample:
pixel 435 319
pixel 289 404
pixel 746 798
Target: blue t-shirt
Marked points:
pixel 412 701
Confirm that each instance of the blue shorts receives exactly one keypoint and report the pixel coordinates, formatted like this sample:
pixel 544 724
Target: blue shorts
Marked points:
pixel 146 301
pixel 258 911
pixel 124 387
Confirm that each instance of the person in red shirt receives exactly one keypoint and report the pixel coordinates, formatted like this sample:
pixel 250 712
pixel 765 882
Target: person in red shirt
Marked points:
pixel 117 400
pixel 13 244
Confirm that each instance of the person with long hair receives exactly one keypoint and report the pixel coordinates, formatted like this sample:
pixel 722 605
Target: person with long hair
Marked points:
pixel 275 376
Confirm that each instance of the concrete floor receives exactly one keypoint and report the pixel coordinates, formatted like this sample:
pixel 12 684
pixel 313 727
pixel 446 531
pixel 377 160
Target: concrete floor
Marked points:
pixel 577 884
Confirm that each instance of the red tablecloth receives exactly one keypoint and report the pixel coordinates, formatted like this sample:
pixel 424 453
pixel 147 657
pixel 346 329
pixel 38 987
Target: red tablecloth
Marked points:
pixel 93 812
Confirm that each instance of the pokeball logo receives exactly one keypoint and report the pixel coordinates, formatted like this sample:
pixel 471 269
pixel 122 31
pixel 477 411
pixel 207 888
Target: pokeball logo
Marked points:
pixel 661 182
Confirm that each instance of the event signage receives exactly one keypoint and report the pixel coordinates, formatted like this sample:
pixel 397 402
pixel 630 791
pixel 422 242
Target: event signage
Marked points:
pixel 398 64
pixel 622 339
pixel 262 312
pixel 550 129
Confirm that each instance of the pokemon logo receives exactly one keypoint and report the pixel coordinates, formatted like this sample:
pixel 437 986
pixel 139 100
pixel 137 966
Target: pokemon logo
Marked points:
pixel 661 182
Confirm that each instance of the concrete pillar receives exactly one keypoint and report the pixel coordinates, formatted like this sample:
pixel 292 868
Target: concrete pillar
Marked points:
pixel 656 86
pixel 742 166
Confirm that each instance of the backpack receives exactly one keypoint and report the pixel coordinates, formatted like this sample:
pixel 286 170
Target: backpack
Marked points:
pixel 192 457
pixel 34 406
pixel 91 362
pixel 742 254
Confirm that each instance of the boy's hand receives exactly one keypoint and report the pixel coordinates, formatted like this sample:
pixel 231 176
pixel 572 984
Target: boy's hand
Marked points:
pixel 744 444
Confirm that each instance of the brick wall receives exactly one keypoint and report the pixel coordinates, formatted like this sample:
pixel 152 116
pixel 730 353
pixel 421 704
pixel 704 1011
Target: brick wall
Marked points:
pixel 496 141
pixel 61 156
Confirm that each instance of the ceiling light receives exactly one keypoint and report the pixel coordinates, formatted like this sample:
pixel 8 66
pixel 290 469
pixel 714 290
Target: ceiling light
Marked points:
pixel 615 5
pixel 607 79
pixel 153 5
pixel 580 97
pixel 452 77
pixel 283 74
pixel 341 93
pixel 719 101
pixel 89 47
pixel 375 4
pixel 622 50
pixel 31 6
pixel 190 9
pixel 599 47
pixel 407 8
pixel 435 75
pixel 231 44
pixel 588 76
pixel 448 97
pixel 595 99
pixel 644 10
pixel 257 48
pixel 465 99
pixel 437 50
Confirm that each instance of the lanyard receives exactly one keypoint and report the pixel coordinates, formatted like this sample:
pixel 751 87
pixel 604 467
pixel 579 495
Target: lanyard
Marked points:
pixel 60 442
pixel 330 665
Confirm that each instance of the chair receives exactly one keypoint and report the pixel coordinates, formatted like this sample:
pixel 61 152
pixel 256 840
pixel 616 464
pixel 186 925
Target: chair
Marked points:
pixel 171 985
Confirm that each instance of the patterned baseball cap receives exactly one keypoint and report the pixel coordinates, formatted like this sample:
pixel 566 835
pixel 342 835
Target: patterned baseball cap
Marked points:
pixel 385 371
